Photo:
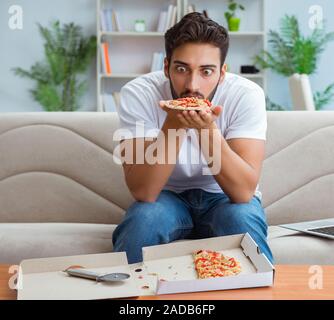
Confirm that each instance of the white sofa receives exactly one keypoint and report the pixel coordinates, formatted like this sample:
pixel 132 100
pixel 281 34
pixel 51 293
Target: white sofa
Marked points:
pixel 62 194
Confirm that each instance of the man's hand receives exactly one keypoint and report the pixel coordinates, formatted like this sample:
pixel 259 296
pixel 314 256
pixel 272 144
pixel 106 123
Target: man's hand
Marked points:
pixel 195 119
pixel 172 117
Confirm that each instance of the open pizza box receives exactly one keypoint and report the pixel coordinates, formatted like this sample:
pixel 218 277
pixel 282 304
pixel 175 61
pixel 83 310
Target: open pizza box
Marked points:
pixel 166 268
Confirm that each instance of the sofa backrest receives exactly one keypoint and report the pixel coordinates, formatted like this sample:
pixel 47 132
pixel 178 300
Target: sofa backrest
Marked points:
pixel 297 179
pixel 59 167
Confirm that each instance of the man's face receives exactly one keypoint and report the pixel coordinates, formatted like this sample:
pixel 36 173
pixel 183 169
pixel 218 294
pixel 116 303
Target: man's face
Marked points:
pixel 195 70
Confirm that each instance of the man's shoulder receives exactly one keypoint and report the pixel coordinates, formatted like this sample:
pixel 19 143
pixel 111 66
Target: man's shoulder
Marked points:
pixel 152 82
pixel 238 94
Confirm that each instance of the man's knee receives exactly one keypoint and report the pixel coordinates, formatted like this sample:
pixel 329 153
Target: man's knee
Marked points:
pixel 142 221
pixel 148 212
pixel 240 217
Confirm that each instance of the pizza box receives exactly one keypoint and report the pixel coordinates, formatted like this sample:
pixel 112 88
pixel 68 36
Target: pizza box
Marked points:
pixel 166 268
pixel 44 279
pixel 173 263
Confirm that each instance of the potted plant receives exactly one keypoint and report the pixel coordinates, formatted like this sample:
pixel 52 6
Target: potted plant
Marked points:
pixel 296 56
pixel 233 22
pixel 68 53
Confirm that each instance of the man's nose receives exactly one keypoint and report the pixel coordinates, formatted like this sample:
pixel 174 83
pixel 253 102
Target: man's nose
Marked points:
pixel 192 83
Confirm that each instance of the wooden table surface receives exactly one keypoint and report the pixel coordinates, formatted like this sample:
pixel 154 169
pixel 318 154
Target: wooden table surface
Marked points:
pixel 292 282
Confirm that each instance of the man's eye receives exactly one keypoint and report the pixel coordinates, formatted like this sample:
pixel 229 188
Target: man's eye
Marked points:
pixel 207 72
pixel 181 69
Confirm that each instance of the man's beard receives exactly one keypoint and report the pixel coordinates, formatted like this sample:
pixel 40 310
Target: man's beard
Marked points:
pixel 193 94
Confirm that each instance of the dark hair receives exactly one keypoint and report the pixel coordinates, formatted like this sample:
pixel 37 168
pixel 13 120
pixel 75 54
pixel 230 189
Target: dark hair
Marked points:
pixel 196 28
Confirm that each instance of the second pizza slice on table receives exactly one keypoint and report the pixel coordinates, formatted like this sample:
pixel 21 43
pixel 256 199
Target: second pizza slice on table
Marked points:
pixel 212 264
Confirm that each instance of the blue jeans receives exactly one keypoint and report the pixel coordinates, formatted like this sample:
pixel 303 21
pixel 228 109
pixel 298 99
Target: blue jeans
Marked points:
pixel 192 214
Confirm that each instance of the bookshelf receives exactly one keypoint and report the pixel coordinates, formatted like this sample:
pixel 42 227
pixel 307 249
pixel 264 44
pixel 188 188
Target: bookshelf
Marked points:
pixel 135 75
pixel 131 51
pixel 161 34
pixel 133 34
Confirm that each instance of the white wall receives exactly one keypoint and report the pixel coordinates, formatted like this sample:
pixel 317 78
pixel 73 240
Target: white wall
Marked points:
pixel 278 89
pixel 24 47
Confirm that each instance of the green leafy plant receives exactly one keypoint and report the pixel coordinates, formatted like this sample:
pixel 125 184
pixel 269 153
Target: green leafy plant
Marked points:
pixel 323 98
pixel 293 52
pixel 68 53
pixel 233 6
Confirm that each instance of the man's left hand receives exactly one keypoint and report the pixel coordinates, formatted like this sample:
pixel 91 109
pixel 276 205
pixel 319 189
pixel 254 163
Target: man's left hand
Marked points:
pixel 200 119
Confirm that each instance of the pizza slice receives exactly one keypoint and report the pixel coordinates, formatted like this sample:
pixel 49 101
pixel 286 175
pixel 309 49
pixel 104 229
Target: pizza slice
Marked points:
pixel 212 264
pixel 190 103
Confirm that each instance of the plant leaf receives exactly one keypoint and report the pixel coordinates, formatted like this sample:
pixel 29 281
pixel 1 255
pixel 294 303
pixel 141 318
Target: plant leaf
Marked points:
pixel 67 54
pixel 292 52
pixel 321 99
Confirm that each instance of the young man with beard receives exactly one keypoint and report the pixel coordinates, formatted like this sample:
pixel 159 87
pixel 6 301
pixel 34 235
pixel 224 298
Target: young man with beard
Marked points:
pixel 174 198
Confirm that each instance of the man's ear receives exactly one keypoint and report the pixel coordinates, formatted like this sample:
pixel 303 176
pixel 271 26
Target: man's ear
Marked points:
pixel 166 66
pixel 223 72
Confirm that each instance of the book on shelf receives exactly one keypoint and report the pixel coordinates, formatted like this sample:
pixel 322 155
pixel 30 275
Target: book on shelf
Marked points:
pixel 103 21
pixel 105 58
pixel 191 8
pixel 110 21
pixel 162 21
pixel 117 21
pixel 110 25
pixel 173 18
pixel 106 20
pixel 175 13
pixel 184 7
pixel 157 61
pixel 103 61
pixel 168 18
pixel 179 8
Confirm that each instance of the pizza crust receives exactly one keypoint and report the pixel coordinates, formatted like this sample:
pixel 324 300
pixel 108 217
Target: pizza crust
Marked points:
pixel 188 104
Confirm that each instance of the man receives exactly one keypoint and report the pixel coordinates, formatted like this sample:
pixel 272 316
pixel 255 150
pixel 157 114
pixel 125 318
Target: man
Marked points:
pixel 175 199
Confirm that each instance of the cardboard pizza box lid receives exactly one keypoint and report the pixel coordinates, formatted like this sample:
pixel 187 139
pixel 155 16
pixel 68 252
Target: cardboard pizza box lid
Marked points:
pixel 44 279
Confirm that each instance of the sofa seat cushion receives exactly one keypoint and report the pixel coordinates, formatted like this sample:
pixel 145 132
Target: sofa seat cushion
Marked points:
pixel 19 241
pixel 293 247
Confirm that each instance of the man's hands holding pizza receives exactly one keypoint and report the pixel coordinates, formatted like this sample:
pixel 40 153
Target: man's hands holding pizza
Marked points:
pixel 191 112
pixel 199 119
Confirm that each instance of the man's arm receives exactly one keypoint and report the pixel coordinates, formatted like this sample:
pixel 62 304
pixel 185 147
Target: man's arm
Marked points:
pixel 145 181
pixel 238 160
pixel 240 164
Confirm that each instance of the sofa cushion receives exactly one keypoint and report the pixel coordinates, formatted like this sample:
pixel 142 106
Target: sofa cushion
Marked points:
pixel 19 241
pixel 293 247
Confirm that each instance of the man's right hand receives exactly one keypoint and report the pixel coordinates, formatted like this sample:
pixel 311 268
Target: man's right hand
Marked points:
pixel 172 118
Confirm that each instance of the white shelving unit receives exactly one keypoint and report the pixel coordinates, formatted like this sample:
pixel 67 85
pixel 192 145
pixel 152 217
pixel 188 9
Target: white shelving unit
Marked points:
pixel 131 52
pixel 133 34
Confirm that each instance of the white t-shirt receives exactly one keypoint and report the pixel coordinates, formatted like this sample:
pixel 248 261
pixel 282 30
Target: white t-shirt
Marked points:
pixel 243 116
